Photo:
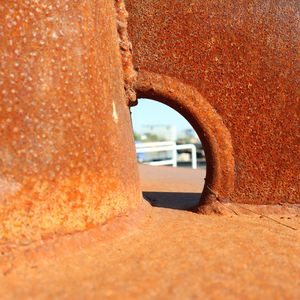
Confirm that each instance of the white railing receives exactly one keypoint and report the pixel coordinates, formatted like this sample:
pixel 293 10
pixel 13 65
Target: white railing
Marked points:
pixel 167 146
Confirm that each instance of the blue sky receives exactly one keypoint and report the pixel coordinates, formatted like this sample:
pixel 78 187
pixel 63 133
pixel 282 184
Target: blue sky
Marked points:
pixel 150 112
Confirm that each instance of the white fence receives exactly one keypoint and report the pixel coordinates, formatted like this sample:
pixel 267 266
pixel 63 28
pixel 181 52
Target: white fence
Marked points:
pixel 164 147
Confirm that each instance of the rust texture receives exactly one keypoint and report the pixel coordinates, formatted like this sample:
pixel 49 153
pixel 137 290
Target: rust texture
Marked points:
pixel 129 73
pixel 209 125
pixel 64 122
pixel 243 59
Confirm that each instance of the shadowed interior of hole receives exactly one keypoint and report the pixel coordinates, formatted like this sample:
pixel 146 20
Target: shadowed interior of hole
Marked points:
pixel 167 186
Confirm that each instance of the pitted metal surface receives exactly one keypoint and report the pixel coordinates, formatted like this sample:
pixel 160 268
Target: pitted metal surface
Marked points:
pixel 243 58
pixel 64 121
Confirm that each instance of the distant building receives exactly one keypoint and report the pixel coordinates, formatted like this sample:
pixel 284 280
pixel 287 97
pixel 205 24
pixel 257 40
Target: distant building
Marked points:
pixel 163 132
pixel 188 136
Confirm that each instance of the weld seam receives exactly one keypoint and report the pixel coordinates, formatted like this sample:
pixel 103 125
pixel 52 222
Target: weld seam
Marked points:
pixel 129 72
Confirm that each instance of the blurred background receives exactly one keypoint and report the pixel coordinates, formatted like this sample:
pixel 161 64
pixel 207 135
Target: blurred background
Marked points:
pixel 164 137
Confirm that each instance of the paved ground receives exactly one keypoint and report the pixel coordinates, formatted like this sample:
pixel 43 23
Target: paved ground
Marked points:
pixel 177 188
pixel 163 253
pixel 169 179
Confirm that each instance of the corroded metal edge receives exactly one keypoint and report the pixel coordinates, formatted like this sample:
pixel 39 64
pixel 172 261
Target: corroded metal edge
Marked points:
pixel 208 124
pixel 129 73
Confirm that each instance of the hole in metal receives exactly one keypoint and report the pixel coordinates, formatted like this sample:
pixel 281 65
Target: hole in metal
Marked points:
pixel 170 154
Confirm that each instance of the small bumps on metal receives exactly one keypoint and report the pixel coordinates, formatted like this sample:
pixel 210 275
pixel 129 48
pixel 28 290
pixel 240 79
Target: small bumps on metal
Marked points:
pixel 130 74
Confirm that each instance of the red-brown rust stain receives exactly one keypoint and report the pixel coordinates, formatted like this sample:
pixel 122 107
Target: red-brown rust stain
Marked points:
pixel 67 156
pixel 243 57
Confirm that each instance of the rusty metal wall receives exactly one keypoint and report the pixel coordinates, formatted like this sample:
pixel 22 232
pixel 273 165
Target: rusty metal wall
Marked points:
pixel 242 57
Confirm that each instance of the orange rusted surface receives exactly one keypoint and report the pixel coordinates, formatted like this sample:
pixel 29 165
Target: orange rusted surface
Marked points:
pixel 171 254
pixel 243 59
pixel 67 159
pixel 156 253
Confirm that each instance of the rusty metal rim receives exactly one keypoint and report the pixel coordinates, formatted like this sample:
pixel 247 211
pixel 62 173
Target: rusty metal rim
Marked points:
pixel 208 124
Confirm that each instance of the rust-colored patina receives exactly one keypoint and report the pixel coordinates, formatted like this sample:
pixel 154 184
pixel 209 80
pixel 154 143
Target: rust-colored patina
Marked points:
pixel 66 150
pixel 67 159
pixel 241 59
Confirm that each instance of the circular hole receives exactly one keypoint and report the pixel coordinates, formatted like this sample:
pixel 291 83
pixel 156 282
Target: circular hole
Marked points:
pixel 171 158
